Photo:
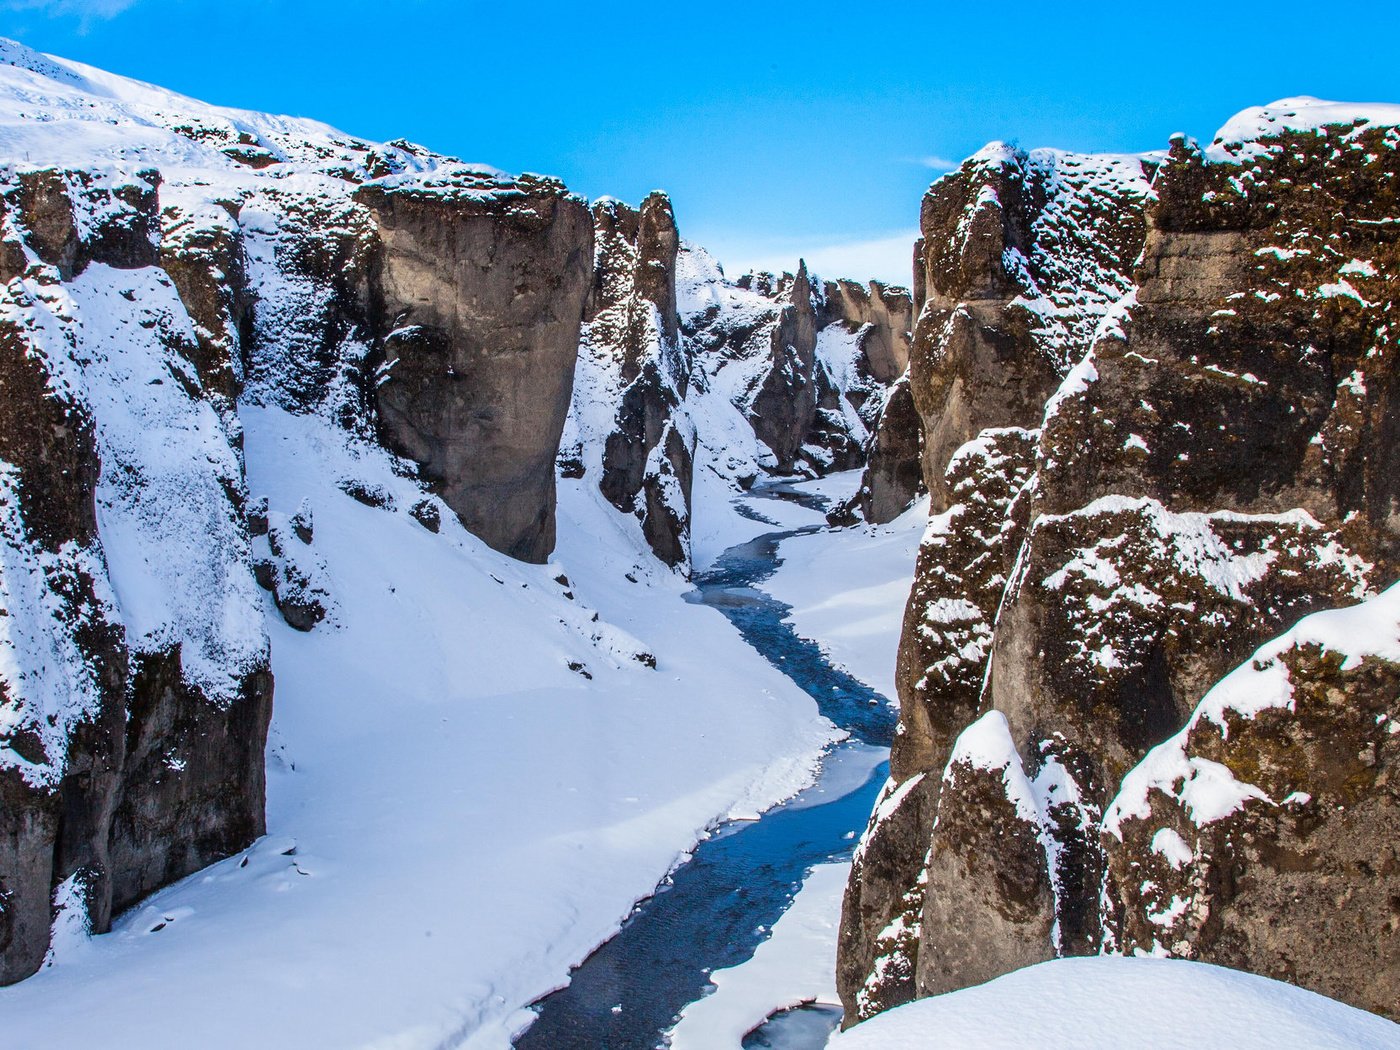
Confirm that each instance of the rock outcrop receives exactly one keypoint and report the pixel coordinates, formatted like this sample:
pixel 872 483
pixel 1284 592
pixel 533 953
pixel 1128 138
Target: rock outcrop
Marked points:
pixel 1262 835
pixel 894 457
pixel 633 333
pixel 237 264
pixel 479 285
pixel 882 317
pixel 1215 466
pixel 683 372
pixel 136 693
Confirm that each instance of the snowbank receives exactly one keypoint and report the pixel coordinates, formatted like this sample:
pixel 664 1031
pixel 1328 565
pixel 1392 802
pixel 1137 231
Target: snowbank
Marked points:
pixel 1112 1003
pixel 848 588
pixel 796 965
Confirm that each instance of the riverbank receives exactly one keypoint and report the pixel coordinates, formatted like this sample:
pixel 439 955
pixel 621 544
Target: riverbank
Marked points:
pixel 719 908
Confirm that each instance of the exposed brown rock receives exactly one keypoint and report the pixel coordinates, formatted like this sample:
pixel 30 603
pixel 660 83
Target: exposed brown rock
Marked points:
pixel 1004 234
pixel 885 319
pixel 1220 465
pixel 882 908
pixel 988 905
pixel 203 254
pixel 1301 881
pixel 482 290
pixel 633 326
pixel 193 781
pixel 893 474
pixel 786 402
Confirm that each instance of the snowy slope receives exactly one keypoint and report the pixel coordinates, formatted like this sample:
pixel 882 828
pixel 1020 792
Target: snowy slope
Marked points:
pixel 455 816
pixel 475 766
pixel 1114 1003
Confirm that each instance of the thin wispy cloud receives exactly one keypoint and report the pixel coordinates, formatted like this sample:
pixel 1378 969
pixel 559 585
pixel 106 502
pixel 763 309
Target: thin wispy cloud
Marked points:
pixel 937 163
pixel 86 11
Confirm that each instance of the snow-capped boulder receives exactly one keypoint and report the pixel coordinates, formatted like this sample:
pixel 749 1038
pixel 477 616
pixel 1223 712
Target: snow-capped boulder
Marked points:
pixel 1263 834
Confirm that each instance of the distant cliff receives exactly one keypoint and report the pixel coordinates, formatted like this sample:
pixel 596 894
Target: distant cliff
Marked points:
pixel 683 370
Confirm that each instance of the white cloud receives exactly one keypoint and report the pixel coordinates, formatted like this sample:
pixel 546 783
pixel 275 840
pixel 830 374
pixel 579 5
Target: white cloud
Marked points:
pixel 888 259
pixel 938 163
pixel 87 10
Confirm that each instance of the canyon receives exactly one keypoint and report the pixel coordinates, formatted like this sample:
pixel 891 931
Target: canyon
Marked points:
pixel 350 454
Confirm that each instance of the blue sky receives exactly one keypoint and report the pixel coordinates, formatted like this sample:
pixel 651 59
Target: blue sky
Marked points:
pixel 778 129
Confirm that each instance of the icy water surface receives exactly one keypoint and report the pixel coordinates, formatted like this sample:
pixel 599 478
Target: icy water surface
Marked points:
pixel 715 909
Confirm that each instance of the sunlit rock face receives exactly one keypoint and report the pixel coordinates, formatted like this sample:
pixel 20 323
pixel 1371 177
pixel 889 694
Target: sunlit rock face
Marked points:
pixel 229 262
pixel 1158 423
pixel 480 287
pixel 633 333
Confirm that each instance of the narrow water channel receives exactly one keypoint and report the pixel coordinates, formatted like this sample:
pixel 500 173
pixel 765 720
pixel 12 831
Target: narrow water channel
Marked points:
pixel 715 909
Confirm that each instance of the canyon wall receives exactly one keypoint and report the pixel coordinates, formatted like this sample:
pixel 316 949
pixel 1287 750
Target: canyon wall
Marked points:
pixel 1157 408
pixel 242 262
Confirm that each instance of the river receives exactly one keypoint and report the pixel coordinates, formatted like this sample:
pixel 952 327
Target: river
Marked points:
pixel 715 909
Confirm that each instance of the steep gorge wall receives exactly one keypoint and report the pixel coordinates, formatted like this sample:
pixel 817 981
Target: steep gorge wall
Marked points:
pixel 142 307
pixel 1217 465
pixel 479 290
pixel 136 699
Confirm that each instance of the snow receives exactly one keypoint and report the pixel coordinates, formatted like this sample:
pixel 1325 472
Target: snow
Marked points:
pixel 1108 1003
pixel 1209 791
pixel 1191 542
pixel 847 590
pixel 1240 136
pixel 455 817
pixel 50 684
pixel 794 966
pixel 1168 844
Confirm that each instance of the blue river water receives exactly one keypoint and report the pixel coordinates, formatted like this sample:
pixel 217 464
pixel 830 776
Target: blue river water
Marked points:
pixel 715 909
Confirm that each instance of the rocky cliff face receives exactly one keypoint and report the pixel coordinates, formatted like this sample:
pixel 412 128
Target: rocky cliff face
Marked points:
pixel 235 262
pixel 683 372
pixel 1112 538
pixel 633 350
pixel 479 283
pixel 136 685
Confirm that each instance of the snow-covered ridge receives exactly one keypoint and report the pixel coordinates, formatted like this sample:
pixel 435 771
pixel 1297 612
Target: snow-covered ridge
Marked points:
pixel 1233 141
pixel 57 112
